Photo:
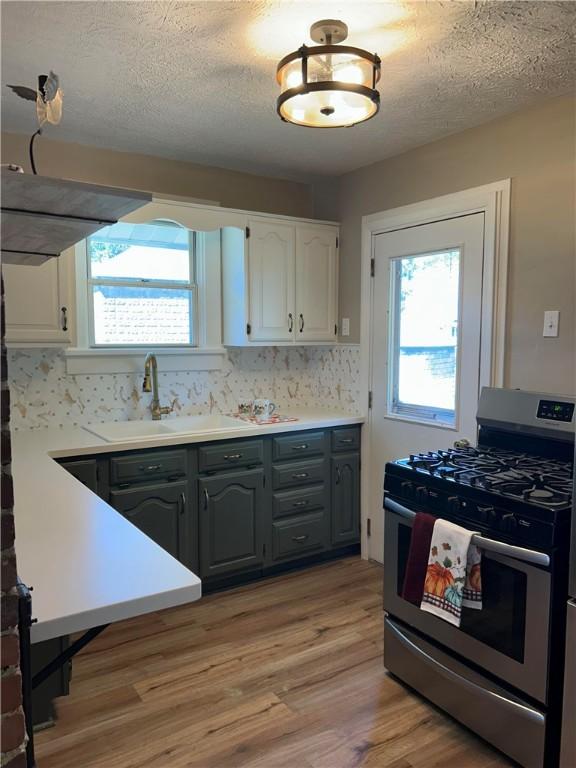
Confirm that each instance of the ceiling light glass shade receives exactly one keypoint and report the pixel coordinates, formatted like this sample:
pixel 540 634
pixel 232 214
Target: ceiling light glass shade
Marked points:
pixel 328 86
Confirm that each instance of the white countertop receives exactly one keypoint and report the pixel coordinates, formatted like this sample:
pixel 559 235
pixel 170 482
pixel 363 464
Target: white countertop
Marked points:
pixel 87 564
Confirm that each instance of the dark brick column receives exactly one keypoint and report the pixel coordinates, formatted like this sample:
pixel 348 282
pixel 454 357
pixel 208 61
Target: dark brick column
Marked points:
pixel 13 729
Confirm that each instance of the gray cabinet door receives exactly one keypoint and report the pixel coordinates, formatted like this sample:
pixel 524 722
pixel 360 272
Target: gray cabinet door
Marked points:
pixel 84 470
pixel 345 498
pixel 58 684
pixel 231 522
pixel 159 511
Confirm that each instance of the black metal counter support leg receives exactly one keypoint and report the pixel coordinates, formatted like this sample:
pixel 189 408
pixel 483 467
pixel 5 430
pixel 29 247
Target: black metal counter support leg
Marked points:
pixel 63 657
pixel 24 621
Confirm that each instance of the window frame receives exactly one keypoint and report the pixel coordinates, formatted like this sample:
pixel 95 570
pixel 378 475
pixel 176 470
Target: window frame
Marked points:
pixel 191 286
pixel 395 408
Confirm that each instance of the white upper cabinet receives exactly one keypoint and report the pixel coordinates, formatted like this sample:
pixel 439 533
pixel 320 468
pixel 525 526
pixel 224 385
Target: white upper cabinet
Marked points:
pixel 38 302
pixel 280 283
pixel 316 279
pixel 271 270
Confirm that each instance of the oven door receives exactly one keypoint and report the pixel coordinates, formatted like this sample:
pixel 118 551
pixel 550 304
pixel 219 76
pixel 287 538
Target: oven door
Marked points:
pixel 509 637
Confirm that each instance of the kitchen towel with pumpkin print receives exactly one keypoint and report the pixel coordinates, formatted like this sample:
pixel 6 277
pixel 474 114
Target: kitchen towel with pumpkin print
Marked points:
pixel 453 577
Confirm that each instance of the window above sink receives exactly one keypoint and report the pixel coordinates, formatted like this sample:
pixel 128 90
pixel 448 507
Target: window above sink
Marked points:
pixel 141 284
pixel 150 283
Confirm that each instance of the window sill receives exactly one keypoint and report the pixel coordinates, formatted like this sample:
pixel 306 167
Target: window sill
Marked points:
pixel 421 422
pixel 118 360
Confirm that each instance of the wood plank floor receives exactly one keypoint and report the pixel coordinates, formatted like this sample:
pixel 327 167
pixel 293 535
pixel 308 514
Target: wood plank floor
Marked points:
pixel 285 673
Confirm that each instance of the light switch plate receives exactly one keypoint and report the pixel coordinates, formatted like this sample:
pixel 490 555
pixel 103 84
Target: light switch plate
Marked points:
pixel 551 320
pixel 345 326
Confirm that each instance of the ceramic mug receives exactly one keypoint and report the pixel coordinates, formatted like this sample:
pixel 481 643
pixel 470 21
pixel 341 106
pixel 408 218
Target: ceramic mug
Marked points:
pixel 246 407
pixel 263 409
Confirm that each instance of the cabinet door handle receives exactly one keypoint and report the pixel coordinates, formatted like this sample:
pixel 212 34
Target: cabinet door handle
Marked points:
pixel 290 323
pixel 64 311
pixel 182 503
pixel 299 475
pixel 206 499
pixel 338 475
pixel 150 468
pixel 233 456
pixel 300 504
pixel 301 323
pixel 300 539
pixel 301 447
pixel 345 440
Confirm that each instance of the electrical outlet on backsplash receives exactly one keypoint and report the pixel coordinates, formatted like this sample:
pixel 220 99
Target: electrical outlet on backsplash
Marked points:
pixel 44 395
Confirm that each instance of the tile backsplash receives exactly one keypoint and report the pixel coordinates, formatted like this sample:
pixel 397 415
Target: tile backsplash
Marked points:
pixel 44 395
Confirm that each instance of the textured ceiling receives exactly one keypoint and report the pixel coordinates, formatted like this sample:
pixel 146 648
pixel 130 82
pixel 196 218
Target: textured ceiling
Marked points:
pixel 196 80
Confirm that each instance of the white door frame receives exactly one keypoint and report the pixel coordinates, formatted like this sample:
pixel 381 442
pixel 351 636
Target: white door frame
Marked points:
pixel 494 201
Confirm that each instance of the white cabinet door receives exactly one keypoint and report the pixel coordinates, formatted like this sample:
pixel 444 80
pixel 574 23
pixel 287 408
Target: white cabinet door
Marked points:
pixel 38 302
pixel 316 281
pixel 271 267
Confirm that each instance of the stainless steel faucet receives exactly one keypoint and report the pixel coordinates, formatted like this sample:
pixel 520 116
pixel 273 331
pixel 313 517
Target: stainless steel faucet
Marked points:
pixel 150 384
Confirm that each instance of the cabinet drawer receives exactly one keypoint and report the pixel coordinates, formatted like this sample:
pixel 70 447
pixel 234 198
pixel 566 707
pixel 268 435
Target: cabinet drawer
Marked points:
pixel 228 455
pixel 300 536
pixel 346 439
pixel 299 501
pixel 146 467
pixel 296 446
pixel 298 473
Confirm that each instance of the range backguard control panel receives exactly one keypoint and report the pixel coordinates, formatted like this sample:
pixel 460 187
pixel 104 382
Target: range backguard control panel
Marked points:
pixel 554 410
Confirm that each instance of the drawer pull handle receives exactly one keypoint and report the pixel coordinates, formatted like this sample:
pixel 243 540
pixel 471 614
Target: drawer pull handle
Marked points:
pixel 300 539
pixel 151 468
pixel 301 447
pixel 346 440
pixel 300 503
pixel 299 475
pixel 232 456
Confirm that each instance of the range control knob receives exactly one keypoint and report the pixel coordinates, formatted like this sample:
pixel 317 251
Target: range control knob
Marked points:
pixel 453 503
pixel 422 493
pixel 486 514
pixel 407 489
pixel 508 523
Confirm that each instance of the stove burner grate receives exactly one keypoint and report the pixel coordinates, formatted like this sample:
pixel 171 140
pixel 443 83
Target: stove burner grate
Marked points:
pixel 529 478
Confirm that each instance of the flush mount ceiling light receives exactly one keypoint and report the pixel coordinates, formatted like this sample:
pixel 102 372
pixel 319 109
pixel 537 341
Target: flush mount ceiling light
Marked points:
pixel 328 85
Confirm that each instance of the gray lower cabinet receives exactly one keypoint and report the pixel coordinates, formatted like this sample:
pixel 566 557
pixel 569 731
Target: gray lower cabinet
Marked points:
pixel 231 512
pixel 56 685
pixel 345 498
pixel 159 511
pixel 235 506
pixel 84 470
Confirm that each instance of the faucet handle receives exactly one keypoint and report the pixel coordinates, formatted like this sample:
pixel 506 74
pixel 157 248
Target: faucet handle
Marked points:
pixel 166 409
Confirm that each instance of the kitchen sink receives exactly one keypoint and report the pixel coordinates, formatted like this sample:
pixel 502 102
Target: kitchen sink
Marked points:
pixel 119 431
pixel 205 423
pixel 125 431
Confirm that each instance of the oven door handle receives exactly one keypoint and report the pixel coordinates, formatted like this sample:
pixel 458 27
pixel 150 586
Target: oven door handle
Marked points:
pixel 499 547
pixel 474 688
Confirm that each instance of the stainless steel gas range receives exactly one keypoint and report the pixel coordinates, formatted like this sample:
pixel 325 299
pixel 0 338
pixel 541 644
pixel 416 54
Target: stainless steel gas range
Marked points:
pixel 501 672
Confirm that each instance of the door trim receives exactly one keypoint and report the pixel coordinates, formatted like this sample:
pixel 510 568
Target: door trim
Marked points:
pixel 494 201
